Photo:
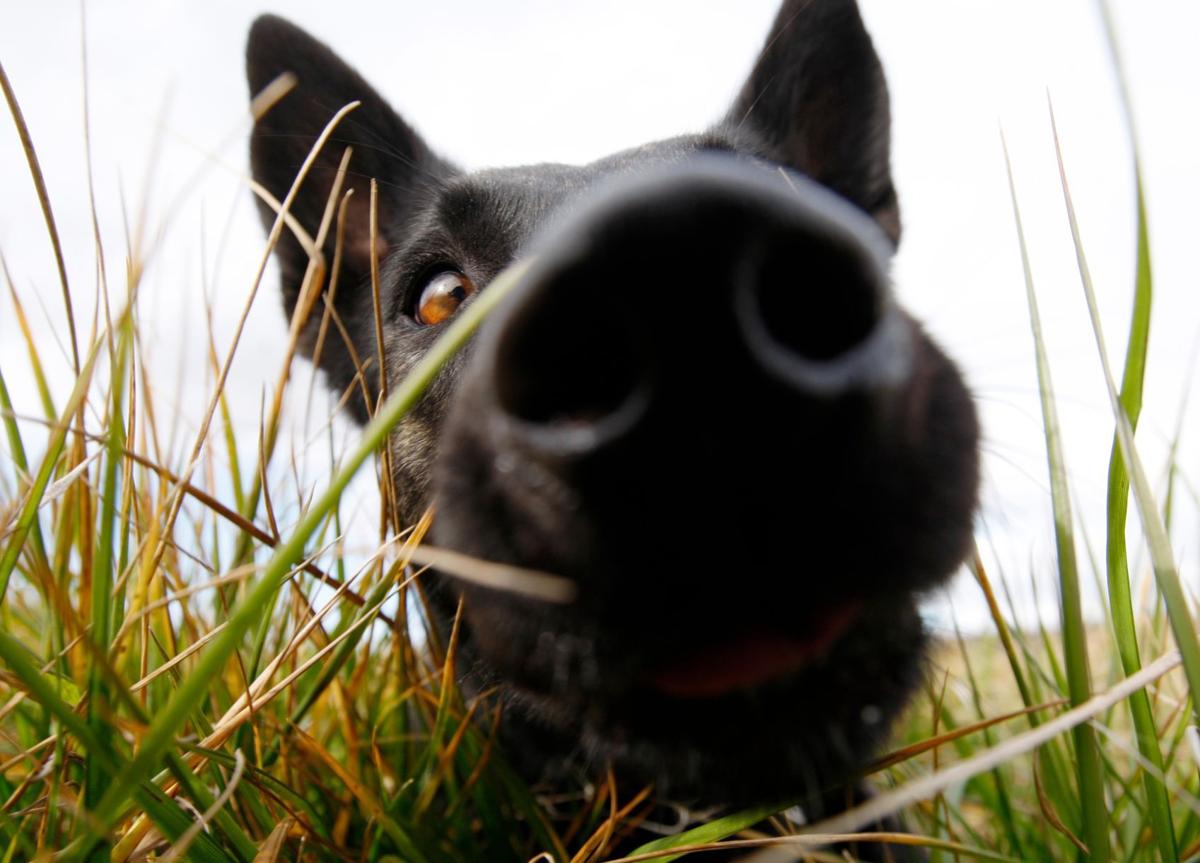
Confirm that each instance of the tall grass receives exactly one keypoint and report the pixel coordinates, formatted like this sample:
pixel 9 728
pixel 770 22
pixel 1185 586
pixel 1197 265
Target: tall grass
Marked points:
pixel 160 698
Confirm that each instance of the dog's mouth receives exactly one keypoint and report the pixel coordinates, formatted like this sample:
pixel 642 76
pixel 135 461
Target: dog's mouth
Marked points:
pixel 714 698
pixel 750 660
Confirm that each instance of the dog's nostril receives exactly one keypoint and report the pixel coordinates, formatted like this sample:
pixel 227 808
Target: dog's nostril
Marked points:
pixel 813 309
pixel 813 298
pixel 567 357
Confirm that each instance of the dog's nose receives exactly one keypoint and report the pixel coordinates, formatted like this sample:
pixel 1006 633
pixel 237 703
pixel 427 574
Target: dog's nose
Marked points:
pixel 705 352
pixel 707 282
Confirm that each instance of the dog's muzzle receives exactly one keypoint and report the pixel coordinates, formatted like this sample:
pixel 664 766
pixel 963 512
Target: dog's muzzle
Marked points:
pixel 704 372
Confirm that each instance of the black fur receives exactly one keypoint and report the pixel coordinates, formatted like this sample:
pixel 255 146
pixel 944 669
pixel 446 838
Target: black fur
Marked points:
pixel 702 405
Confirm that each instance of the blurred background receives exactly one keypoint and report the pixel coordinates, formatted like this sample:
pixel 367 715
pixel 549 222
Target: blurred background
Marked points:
pixel 506 83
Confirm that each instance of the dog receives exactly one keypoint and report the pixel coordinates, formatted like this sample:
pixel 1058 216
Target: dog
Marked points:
pixel 701 405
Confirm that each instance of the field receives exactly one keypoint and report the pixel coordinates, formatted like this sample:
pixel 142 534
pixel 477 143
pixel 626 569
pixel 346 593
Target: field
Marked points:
pixel 193 665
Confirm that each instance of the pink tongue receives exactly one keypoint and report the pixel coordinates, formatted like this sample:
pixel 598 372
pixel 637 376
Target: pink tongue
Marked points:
pixel 748 661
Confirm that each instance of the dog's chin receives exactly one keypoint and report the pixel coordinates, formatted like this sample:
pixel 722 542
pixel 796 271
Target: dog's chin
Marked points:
pixel 755 717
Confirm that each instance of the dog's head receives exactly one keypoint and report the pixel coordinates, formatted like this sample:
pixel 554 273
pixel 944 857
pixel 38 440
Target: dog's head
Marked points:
pixel 701 405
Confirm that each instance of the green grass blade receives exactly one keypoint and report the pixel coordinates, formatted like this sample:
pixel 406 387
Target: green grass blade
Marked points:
pixel 1165 571
pixel 713 831
pixel 16 657
pixel 18 841
pixel 100 704
pixel 294 799
pixel 29 511
pixel 12 431
pixel 174 822
pixel 16 448
pixel 1116 557
pixel 1094 812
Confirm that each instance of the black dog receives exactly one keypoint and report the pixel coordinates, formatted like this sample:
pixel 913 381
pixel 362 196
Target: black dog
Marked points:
pixel 701 405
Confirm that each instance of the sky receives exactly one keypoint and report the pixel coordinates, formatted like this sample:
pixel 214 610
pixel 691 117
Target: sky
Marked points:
pixel 518 82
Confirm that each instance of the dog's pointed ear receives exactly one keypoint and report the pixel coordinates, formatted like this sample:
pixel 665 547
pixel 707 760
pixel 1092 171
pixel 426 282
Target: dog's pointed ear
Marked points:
pixel 384 148
pixel 818 101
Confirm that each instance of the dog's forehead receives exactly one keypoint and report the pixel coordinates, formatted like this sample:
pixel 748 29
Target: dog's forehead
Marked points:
pixel 506 199
pixel 671 151
pixel 510 204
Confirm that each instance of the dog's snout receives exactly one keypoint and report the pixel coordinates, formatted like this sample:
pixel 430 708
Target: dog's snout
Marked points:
pixel 706 334
pixel 714 275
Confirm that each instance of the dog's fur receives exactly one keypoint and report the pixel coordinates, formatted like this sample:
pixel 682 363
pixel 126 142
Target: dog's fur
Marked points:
pixel 701 405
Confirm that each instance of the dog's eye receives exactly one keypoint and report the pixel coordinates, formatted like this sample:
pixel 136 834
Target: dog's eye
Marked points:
pixel 442 297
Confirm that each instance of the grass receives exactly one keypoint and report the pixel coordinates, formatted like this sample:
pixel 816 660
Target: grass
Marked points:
pixel 188 677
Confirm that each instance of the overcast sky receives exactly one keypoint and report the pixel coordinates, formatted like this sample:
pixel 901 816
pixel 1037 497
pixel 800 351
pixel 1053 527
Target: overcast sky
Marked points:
pixel 501 83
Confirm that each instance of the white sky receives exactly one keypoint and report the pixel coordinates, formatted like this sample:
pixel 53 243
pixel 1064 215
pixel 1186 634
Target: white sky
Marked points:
pixel 505 83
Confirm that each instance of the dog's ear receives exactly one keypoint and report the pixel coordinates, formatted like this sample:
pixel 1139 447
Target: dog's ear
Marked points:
pixel 384 148
pixel 818 100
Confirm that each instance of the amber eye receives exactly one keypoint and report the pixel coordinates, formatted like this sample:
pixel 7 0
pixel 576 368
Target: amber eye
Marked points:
pixel 442 297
